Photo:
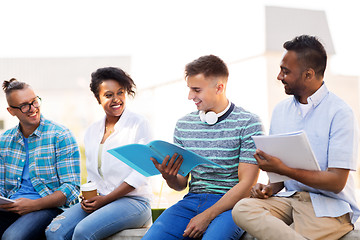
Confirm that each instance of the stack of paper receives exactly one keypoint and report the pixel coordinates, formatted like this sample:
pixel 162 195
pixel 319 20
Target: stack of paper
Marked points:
pixel 4 200
pixel 293 149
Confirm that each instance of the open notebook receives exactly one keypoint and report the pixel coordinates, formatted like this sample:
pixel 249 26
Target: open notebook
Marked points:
pixel 138 156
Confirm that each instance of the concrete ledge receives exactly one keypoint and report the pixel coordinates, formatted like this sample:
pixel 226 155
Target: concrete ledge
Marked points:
pixel 129 234
pixel 137 233
pixel 353 235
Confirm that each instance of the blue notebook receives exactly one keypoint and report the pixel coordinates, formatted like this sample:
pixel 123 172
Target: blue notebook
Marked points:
pixel 138 156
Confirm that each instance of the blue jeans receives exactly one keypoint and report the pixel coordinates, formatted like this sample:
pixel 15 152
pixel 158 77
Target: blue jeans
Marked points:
pixel 28 226
pixel 173 221
pixel 124 213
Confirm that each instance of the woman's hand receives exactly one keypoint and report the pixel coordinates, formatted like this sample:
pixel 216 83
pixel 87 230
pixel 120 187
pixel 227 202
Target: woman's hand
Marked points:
pixel 92 204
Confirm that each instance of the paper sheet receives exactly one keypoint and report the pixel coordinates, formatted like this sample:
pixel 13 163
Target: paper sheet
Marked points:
pixel 293 149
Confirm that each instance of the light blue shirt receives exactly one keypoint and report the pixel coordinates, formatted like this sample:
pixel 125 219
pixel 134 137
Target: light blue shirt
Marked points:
pixel 333 135
pixel 26 190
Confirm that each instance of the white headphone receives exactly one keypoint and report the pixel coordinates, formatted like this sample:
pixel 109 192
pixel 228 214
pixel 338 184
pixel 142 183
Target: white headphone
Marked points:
pixel 211 117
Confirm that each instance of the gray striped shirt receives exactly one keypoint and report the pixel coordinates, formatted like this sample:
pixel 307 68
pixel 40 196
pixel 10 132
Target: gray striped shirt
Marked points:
pixel 226 143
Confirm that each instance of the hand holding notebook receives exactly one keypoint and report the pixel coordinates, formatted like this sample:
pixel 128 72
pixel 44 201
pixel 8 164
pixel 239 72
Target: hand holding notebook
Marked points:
pixel 293 149
pixel 138 157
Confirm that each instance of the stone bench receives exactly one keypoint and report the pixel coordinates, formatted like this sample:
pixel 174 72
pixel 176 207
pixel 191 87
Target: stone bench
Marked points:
pixel 129 234
pixel 353 235
pixel 136 233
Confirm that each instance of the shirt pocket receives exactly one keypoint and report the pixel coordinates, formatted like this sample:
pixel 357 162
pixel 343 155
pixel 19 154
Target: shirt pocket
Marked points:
pixel 44 160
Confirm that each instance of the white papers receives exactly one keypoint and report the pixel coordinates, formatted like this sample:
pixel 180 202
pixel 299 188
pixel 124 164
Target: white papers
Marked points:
pixel 285 194
pixel 293 149
pixel 4 200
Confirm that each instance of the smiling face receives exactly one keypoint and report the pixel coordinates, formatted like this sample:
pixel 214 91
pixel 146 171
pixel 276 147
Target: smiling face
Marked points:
pixel 112 98
pixel 204 92
pixel 291 74
pixel 28 120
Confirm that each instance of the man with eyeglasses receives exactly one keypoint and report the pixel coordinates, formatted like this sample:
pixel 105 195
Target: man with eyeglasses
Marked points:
pixel 39 167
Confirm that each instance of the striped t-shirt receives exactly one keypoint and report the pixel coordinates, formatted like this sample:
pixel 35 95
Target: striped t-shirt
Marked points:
pixel 226 143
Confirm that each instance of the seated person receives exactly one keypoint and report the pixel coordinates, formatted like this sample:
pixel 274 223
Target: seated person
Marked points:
pixel 221 132
pixel 124 200
pixel 318 204
pixel 39 167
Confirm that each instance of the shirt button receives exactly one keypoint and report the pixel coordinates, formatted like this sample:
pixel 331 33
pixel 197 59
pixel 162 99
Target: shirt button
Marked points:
pixel 18 178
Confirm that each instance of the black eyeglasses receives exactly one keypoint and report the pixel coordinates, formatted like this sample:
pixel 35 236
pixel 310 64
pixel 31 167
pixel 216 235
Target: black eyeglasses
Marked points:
pixel 25 108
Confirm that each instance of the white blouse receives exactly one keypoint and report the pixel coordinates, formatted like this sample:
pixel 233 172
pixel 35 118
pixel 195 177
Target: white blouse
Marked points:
pixel 131 128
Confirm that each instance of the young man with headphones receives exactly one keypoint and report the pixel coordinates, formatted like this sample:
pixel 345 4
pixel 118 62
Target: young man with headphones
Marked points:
pixel 221 132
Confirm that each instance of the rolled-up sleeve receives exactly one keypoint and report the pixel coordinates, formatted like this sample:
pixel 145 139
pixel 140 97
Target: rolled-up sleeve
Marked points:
pixel 135 179
pixel 68 166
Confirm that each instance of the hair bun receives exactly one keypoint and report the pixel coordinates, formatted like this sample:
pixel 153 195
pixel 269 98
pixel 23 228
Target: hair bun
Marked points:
pixel 13 84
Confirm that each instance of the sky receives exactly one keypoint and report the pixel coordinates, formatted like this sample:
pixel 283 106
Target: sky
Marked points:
pixel 160 36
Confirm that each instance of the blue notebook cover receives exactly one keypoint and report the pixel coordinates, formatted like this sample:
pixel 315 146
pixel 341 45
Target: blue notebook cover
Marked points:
pixel 138 156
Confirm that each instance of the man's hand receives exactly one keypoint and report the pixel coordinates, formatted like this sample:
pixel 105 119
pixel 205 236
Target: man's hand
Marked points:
pixel 93 203
pixel 268 163
pixel 21 206
pixel 169 167
pixel 197 226
pixel 261 191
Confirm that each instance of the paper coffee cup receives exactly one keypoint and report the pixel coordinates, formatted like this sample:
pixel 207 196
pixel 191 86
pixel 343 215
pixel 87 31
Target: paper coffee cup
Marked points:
pixel 89 190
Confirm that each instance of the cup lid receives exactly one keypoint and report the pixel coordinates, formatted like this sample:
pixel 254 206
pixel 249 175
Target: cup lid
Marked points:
pixel 88 186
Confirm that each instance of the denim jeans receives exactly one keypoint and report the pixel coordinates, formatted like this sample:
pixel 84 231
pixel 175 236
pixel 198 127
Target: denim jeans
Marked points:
pixel 27 227
pixel 173 221
pixel 124 213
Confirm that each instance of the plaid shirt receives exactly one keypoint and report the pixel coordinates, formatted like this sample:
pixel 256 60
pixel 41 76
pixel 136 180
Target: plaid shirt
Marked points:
pixel 54 163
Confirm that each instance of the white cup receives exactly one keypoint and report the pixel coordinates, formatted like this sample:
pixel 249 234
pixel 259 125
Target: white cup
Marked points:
pixel 89 190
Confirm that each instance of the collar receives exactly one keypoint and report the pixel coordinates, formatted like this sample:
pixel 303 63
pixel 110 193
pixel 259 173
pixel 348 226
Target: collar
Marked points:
pixel 315 99
pixel 37 131
pixel 220 114
pixel 229 109
pixel 18 136
pixel 40 128
pixel 117 124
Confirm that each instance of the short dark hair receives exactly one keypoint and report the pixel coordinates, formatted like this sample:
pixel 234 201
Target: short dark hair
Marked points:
pixel 111 73
pixel 310 52
pixel 12 85
pixel 209 66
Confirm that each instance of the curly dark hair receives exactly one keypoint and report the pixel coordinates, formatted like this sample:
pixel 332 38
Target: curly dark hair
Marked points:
pixel 111 73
